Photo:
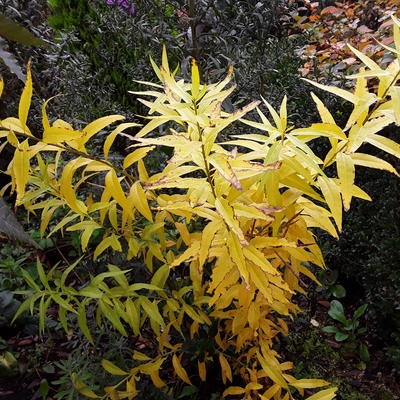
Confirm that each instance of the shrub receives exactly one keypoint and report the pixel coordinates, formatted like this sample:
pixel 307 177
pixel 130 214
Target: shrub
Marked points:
pixel 226 237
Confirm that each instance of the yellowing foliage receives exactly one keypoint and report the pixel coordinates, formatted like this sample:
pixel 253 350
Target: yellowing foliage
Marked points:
pixel 235 218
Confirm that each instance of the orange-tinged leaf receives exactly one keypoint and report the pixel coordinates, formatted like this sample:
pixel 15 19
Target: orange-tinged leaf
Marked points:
pixel 226 371
pixel 233 390
pixel 202 370
pixel 180 371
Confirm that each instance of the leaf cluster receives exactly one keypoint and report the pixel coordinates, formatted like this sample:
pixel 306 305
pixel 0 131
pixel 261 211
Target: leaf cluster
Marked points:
pixel 234 229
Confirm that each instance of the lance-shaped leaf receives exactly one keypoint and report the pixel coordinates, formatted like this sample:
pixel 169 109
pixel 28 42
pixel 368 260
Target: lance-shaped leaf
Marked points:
pixel 17 33
pixel 226 212
pixel 180 371
pixel 346 174
pixel 25 100
pixel 332 196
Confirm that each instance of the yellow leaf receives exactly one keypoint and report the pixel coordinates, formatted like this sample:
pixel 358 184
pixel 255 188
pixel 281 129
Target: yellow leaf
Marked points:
pixel 97 125
pixel 274 115
pixel 274 373
pixel 237 256
pixel 157 381
pixel 137 155
pixel 114 187
pixel 309 383
pixel 226 371
pixel 188 255
pixel 151 310
pixel 81 387
pixel 324 113
pixel 283 113
pixel 57 135
pixel 222 165
pixel 202 370
pixel 346 174
pixel 369 161
pixel 20 168
pixel 384 144
pixel 331 193
pixel 138 196
pixel 111 137
pixel 226 212
pixel 137 355
pixel 233 390
pixel 110 241
pixel 253 386
pixel 25 101
pixel 344 94
pixel 151 367
pixel 327 394
pixel 67 188
pixel 206 239
pixel 111 368
pixel 180 371
pixel 365 59
pixel 268 394
pixel 258 258
pixel 195 79
pixel 1 85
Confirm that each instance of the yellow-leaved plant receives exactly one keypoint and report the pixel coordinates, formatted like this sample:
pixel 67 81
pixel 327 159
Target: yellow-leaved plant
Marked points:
pixel 224 229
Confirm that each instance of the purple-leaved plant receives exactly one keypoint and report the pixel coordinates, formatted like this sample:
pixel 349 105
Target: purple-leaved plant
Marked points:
pixel 130 8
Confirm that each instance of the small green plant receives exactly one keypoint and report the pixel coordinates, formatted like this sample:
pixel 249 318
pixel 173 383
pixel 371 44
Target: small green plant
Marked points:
pixel 330 287
pixel 349 329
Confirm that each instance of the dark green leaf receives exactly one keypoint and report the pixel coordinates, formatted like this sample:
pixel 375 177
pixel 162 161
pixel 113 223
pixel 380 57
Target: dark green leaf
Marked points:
pixel 188 391
pixel 360 311
pixel 340 336
pixel 338 291
pixel 44 388
pixel 330 329
pixel 17 33
pixel 364 353
pixel 337 312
